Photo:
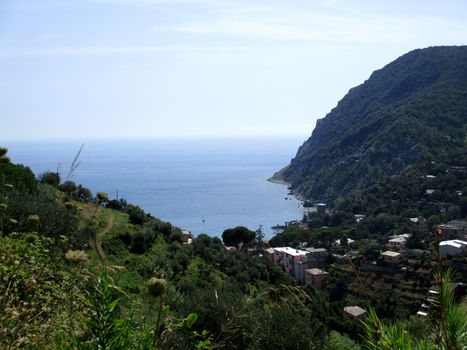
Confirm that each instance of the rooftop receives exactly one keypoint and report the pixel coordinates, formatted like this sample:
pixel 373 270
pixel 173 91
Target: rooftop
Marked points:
pixel 291 251
pixel 455 224
pixel 354 310
pixel 315 271
pixel 404 235
pixel 396 240
pixel 390 253
pixel 316 250
pixel 454 243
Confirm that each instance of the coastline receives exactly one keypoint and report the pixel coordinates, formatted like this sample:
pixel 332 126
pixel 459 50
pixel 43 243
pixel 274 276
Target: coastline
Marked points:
pixel 277 178
pixel 279 181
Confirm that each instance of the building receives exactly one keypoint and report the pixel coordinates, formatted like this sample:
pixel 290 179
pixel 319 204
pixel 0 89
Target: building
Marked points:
pixel 289 258
pixel 355 313
pixel 186 237
pixel 269 254
pixel 452 248
pixel 316 277
pixel 340 259
pixel 418 223
pixel 398 241
pixel 317 257
pixel 454 229
pixel 352 254
pixel 416 252
pixel 321 208
pixel 359 217
pixel 299 270
pixel 391 257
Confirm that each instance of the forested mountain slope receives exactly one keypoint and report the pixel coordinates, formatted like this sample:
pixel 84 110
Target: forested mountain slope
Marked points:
pixel 412 110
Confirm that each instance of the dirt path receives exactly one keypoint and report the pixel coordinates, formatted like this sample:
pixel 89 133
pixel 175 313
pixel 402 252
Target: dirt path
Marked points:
pixel 101 234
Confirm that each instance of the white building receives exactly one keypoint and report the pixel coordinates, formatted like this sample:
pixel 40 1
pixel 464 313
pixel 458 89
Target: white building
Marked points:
pixel 452 247
pixel 398 240
pixel 290 258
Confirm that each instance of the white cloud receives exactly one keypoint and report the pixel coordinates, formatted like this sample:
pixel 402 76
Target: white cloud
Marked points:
pixel 278 23
pixel 118 50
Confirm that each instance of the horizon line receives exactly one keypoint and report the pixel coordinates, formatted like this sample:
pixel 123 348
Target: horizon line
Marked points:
pixel 154 138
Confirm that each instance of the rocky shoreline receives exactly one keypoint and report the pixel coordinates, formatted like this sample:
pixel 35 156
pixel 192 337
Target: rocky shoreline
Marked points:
pixel 278 179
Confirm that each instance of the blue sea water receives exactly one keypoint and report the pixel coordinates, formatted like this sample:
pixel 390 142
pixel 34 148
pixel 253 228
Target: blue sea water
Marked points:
pixel 202 185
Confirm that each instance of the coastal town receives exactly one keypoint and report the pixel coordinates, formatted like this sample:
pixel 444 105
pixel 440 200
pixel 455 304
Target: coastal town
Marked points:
pixel 396 267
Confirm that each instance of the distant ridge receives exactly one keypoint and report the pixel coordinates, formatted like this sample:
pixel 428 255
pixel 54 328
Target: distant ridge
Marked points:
pixel 412 110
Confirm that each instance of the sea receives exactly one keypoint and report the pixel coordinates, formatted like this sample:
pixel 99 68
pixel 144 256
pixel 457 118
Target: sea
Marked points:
pixel 201 185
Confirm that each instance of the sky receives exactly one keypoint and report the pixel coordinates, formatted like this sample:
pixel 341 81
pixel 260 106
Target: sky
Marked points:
pixel 199 68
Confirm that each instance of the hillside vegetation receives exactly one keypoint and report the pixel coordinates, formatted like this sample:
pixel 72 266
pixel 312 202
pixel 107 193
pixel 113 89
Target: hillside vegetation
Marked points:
pixel 411 111
pixel 80 271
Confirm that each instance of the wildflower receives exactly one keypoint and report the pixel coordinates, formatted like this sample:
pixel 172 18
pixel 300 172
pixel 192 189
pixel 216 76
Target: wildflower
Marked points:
pixel 156 286
pixel 76 256
pixel 102 197
pixel 29 283
pixel 70 205
pixel 33 220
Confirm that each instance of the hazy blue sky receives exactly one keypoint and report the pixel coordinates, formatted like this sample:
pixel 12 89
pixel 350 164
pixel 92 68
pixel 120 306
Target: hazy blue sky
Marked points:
pixel 147 68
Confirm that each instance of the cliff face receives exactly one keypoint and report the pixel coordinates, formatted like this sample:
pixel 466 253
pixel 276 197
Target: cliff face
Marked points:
pixel 412 110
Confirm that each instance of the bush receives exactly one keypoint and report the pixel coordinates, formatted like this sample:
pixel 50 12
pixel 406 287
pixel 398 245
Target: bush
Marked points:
pixel 136 214
pixel 114 204
pixel 141 241
pixel 20 177
pixel 37 304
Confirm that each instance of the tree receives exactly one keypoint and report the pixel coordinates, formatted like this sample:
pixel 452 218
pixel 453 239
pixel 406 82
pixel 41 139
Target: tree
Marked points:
pixel 69 187
pixel 50 178
pixel 454 212
pixel 3 157
pixel 83 194
pixel 433 220
pixel 238 235
pixel 259 236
